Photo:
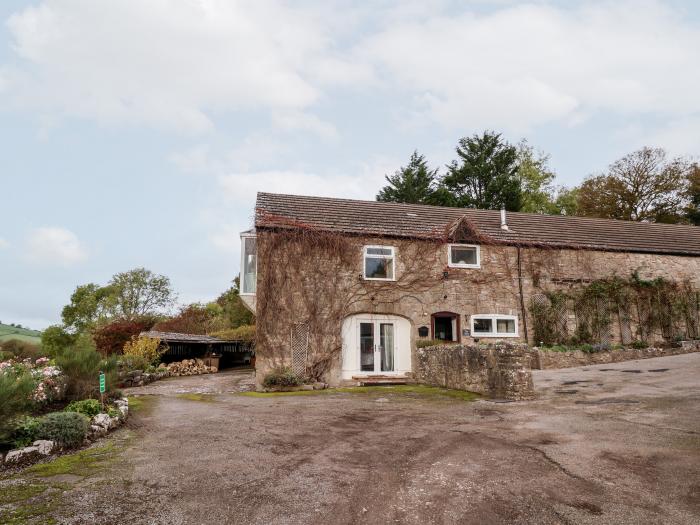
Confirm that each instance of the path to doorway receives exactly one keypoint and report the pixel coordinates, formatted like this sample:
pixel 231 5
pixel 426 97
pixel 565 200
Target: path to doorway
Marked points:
pixel 603 444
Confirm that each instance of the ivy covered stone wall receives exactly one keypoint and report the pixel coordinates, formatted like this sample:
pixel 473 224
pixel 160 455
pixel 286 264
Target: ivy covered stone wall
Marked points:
pixel 309 281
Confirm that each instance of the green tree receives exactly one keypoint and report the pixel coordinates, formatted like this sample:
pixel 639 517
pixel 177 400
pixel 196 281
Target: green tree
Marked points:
pixel 565 202
pixel 90 304
pixel 486 174
pixel 643 186
pixel 692 210
pixel 140 292
pixel 234 312
pixel 536 180
pixel 55 339
pixel 415 183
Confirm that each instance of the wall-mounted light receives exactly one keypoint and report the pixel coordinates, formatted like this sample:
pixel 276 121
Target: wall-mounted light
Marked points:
pixel 445 274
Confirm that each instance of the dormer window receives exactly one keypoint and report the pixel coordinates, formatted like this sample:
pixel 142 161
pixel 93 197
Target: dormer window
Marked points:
pixel 463 256
pixel 249 264
pixel 379 263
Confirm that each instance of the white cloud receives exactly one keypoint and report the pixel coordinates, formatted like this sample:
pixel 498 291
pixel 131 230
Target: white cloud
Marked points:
pixel 4 244
pixel 519 66
pixel 52 245
pixel 509 66
pixel 226 238
pixel 242 187
pixel 680 136
pixel 167 62
pixel 297 120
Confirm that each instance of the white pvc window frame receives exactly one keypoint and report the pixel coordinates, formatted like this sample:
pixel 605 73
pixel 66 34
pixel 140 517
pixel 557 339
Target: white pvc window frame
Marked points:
pixel 494 318
pixel 477 249
pixel 241 280
pixel 366 256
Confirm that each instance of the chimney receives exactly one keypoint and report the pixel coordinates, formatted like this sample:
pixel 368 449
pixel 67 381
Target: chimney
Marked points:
pixel 504 224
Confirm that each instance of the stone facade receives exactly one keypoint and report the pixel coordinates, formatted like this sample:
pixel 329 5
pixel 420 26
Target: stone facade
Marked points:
pixel 317 287
pixel 500 371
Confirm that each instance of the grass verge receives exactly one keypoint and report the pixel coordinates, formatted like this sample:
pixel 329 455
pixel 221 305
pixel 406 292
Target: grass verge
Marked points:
pixel 406 390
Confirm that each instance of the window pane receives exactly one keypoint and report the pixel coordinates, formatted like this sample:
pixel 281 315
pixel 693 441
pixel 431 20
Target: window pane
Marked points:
pixel 367 347
pixel 386 342
pixel 249 265
pixel 505 326
pixel 379 251
pixel 461 255
pixel 379 268
pixel 483 326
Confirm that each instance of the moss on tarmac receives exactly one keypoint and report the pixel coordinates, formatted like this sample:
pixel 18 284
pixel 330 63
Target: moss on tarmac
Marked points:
pixel 84 463
pixel 35 494
pixel 193 396
pixel 405 390
pixel 141 404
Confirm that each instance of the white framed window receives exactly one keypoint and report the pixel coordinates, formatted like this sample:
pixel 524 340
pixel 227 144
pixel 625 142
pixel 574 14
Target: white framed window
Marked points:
pixel 463 256
pixel 249 264
pixel 379 263
pixel 494 325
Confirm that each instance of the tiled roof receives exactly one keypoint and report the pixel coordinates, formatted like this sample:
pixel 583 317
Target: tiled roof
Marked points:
pixel 174 337
pixel 420 221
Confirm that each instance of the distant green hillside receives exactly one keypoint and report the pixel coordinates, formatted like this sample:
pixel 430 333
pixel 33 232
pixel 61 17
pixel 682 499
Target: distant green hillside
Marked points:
pixel 8 332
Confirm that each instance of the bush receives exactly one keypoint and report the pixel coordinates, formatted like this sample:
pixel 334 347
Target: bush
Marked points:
pixel 194 319
pixel 54 340
pixel 242 333
pixel 88 407
pixel 142 352
pixel 25 432
pixel 279 377
pixel 81 365
pixel 557 348
pixel 21 349
pixel 66 428
pixel 16 389
pixel 640 344
pixel 111 338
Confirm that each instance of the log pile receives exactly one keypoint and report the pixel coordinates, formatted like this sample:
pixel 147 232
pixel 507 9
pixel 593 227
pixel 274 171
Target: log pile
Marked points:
pixel 189 367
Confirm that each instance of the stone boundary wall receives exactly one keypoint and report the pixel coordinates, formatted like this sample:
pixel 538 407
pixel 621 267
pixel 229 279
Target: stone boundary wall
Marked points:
pixel 544 359
pixel 500 371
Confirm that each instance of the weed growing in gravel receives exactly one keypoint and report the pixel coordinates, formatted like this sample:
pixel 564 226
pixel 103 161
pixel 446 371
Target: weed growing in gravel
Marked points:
pixel 20 492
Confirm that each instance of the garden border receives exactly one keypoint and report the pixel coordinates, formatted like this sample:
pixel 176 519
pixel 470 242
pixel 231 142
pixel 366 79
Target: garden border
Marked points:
pixel 548 359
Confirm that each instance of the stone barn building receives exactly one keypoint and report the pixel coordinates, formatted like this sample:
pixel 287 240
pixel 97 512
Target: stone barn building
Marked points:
pixel 345 290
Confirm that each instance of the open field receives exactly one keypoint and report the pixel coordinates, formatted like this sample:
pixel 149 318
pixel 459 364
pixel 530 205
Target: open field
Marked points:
pixel 602 444
pixel 8 332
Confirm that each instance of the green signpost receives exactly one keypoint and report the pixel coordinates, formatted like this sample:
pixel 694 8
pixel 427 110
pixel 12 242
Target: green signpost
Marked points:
pixel 102 389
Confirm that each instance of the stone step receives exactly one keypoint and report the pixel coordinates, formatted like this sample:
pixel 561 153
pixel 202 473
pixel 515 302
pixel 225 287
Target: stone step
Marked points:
pixel 383 380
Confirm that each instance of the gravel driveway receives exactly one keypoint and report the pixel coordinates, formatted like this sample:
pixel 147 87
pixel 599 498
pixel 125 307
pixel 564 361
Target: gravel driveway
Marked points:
pixel 602 444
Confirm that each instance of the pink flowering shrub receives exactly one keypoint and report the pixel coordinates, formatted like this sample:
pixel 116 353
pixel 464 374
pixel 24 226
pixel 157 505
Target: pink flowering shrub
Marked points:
pixel 49 381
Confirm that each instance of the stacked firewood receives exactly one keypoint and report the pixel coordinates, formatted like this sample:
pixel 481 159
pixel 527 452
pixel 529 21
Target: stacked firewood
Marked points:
pixel 189 367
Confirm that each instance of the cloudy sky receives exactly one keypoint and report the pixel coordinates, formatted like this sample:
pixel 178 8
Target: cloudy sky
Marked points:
pixel 136 133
